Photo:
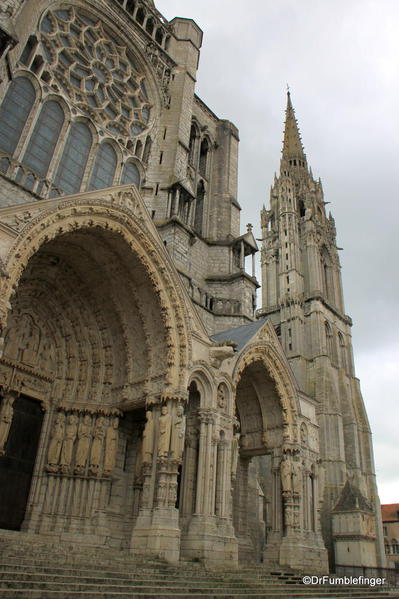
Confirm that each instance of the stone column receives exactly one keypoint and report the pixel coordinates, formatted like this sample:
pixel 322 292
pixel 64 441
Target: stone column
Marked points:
pixel 157 529
pixel 208 537
pixel 189 474
pixel 38 487
pixel 221 474
pixel 274 538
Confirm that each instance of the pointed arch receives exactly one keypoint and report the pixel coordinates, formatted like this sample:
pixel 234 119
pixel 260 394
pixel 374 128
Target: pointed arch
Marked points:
pixel 267 360
pixel 57 219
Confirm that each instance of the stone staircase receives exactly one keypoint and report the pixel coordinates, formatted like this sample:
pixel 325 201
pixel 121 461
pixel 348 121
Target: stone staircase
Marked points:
pixel 44 571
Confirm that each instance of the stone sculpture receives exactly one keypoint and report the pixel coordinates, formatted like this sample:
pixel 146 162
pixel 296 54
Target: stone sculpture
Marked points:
pixel 296 476
pixel 71 431
pixel 6 414
pixel 54 449
pixel 285 473
pixel 178 436
pixel 221 400
pixel 97 446
pixel 148 438
pixel 84 438
pixel 235 446
pixel 111 446
pixel 164 432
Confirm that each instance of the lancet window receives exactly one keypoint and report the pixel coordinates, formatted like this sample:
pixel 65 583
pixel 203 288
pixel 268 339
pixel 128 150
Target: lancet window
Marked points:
pixel 44 138
pixel 74 158
pixel 130 174
pixel 103 172
pixel 14 113
pixel 199 208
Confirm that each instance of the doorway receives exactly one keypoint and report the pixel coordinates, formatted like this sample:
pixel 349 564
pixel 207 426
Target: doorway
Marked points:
pixel 16 465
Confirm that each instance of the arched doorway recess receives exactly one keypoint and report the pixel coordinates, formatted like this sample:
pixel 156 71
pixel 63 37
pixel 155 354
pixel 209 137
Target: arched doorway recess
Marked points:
pixel 256 494
pixel 275 498
pixel 93 332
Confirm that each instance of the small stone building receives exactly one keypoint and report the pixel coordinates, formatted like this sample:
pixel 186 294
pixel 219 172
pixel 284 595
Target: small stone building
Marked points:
pixel 145 405
pixel 390 525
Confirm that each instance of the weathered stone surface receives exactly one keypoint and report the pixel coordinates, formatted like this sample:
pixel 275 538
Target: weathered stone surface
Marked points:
pixel 172 424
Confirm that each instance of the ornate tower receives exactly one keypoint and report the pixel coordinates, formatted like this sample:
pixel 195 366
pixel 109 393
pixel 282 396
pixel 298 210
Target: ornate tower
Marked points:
pixel 302 295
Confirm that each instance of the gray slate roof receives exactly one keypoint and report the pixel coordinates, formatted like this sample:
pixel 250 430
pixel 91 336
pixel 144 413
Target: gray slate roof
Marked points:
pixel 351 499
pixel 240 335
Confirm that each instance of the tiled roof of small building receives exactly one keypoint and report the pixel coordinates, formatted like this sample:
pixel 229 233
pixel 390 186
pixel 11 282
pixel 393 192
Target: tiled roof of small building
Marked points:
pixel 390 512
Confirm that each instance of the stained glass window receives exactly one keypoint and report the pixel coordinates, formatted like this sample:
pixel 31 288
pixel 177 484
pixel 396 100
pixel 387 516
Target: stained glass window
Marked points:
pixel 130 174
pixel 14 112
pixel 73 161
pixel 44 138
pixel 104 167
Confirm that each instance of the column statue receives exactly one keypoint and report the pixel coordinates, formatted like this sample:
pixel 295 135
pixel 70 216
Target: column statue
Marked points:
pixel 6 414
pixel 71 430
pixel 54 448
pixel 148 438
pixel 164 432
pixel 84 438
pixel 235 446
pixel 296 476
pixel 97 446
pixel 221 400
pixel 111 446
pixel 321 476
pixel 285 474
pixel 179 432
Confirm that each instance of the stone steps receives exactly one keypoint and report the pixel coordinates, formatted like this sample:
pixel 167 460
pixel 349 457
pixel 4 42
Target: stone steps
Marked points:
pixel 62 594
pixel 59 572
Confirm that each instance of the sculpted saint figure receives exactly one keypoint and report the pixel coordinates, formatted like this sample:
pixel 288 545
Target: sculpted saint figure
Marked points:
pixel 12 340
pixel 111 446
pixel 220 397
pixel 321 480
pixel 178 435
pixel 71 430
pixel 54 448
pixel 84 438
pixel 296 476
pixel 6 414
pixel 234 453
pixel 164 432
pixel 148 438
pixel 97 446
pixel 285 473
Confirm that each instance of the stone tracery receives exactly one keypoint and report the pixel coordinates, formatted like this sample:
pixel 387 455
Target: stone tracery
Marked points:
pixel 96 71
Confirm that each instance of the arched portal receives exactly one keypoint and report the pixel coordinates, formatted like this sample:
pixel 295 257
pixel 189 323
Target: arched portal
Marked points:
pixel 257 507
pixel 89 338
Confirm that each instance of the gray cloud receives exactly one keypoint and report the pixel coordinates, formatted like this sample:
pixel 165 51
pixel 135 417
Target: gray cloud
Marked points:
pixel 341 59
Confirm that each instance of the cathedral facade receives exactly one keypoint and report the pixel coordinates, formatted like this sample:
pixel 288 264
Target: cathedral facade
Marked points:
pixel 146 405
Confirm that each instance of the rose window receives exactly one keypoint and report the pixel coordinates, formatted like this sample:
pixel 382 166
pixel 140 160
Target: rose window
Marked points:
pixel 96 71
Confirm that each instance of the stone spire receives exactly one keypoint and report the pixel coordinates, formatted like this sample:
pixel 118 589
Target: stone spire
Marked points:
pixel 292 144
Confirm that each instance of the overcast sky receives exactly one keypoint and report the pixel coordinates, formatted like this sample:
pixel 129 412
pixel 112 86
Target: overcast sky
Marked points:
pixel 341 60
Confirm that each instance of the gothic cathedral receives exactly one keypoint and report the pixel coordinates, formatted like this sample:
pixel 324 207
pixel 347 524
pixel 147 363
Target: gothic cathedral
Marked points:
pixel 146 405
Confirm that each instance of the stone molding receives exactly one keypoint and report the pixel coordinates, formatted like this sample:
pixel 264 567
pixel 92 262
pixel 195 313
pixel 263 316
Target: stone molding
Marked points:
pixel 122 212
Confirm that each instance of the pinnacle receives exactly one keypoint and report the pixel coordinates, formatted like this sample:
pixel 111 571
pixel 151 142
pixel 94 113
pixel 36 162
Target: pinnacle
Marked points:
pixel 292 144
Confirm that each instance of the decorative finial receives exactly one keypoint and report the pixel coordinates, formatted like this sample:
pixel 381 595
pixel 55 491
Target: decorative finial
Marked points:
pixel 249 228
pixel 288 89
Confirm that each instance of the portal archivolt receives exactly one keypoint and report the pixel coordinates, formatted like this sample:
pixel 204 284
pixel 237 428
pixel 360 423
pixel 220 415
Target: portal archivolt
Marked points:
pixel 106 291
